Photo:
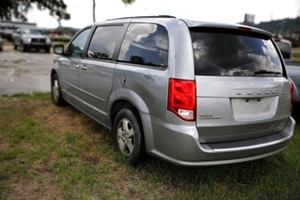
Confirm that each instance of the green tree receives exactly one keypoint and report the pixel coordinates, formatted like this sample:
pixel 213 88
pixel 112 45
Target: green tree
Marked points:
pixel 18 9
pixel 94 7
pixel 128 1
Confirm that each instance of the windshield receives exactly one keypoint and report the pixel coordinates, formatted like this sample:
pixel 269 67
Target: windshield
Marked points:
pixel 33 31
pixel 218 53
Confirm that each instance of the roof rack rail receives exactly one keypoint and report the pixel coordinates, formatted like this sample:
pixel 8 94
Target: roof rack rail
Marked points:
pixel 150 16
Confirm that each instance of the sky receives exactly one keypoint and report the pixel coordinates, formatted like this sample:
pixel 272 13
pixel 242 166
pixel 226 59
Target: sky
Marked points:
pixel 226 11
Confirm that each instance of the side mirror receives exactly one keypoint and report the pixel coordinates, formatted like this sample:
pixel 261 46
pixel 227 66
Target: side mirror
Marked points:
pixel 58 49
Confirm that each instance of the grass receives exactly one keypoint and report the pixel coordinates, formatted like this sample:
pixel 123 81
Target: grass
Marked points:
pixel 296 55
pixel 49 152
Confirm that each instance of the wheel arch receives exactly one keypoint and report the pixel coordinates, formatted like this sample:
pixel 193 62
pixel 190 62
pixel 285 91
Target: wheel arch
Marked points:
pixel 53 71
pixel 122 98
pixel 120 104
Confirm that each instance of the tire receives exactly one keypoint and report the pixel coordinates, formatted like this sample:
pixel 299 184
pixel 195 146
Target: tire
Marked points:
pixel 23 48
pixel 56 91
pixel 15 46
pixel 47 50
pixel 128 136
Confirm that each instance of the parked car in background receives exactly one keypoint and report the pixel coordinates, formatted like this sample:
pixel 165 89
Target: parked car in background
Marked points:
pixel 285 47
pixel 191 93
pixel 7 32
pixel 293 69
pixel 28 38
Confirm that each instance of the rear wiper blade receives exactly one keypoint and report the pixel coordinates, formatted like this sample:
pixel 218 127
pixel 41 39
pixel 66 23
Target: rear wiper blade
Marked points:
pixel 263 71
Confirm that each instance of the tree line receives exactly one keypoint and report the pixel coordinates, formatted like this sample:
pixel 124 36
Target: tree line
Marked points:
pixel 17 9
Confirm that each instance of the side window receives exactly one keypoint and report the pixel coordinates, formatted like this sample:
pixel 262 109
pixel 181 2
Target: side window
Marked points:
pixel 145 44
pixel 103 42
pixel 76 47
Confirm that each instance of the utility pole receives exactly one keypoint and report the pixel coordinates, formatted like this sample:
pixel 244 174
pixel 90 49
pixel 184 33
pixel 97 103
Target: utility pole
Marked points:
pixel 271 23
pixel 94 10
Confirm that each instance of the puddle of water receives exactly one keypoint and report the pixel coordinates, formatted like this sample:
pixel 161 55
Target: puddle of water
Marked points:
pixel 17 72
pixel 22 61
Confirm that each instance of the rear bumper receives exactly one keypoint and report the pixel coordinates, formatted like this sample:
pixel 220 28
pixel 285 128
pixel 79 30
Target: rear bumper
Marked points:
pixel 180 145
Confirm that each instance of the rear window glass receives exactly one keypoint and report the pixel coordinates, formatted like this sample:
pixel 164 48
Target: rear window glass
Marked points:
pixel 145 44
pixel 33 31
pixel 103 42
pixel 225 53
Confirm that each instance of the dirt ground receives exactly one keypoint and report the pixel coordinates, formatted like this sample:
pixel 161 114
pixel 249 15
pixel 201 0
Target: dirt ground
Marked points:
pixel 24 72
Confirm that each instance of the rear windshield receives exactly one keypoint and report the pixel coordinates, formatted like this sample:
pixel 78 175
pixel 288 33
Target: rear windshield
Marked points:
pixel 227 53
pixel 33 31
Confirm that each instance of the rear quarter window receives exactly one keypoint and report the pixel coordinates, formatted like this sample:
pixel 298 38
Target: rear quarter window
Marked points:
pixel 145 44
pixel 234 53
pixel 103 42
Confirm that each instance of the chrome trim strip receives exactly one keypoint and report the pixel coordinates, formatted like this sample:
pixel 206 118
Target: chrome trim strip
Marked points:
pixel 85 92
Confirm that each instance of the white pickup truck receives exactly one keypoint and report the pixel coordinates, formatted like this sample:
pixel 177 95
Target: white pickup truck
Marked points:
pixel 293 68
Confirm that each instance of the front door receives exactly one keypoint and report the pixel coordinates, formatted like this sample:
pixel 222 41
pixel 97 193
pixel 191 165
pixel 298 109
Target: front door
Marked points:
pixel 96 71
pixel 69 65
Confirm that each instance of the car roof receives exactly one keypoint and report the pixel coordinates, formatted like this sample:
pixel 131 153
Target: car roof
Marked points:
pixel 192 23
pixel 189 23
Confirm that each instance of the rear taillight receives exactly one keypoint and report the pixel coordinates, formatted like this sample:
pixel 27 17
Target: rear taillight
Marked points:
pixel 292 95
pixel 182 98
pixel 243 28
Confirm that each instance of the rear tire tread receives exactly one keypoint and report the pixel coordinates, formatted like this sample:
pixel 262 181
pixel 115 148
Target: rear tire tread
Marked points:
pixel 138 154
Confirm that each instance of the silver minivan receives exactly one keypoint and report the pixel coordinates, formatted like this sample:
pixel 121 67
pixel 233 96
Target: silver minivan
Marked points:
pixel 188 92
